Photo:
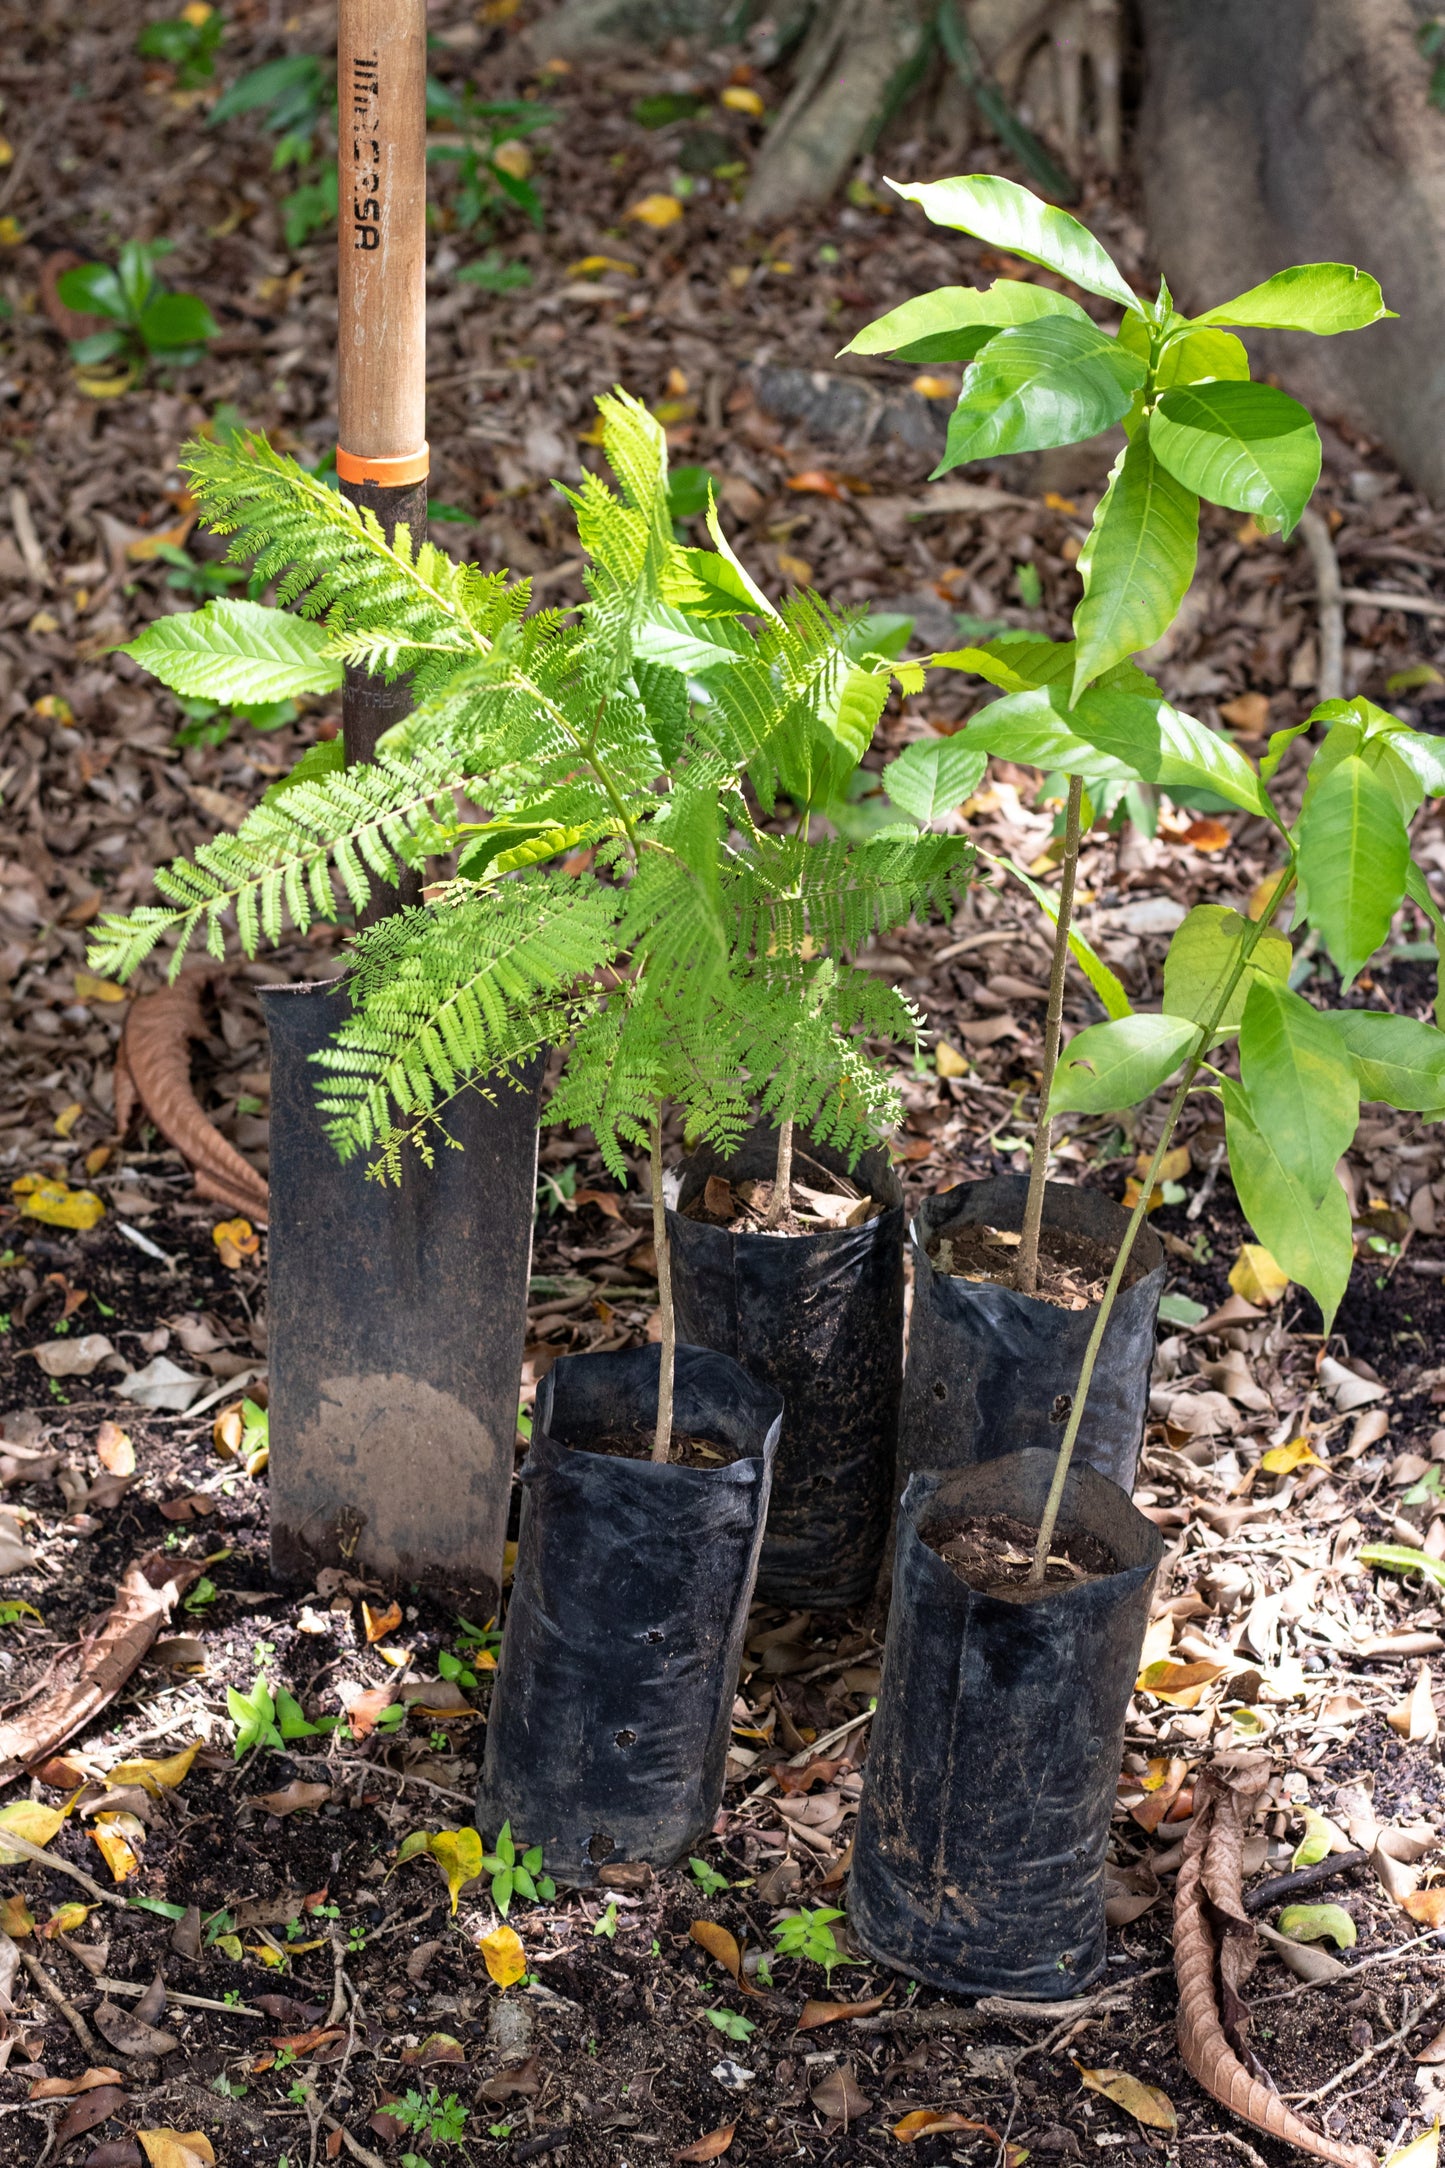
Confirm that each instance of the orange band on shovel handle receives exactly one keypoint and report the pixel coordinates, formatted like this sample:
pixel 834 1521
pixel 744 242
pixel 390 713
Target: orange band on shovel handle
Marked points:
pixel 389 473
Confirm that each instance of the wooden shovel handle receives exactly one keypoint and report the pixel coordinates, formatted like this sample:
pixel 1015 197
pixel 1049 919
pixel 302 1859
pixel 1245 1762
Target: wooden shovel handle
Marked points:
pixel 381 334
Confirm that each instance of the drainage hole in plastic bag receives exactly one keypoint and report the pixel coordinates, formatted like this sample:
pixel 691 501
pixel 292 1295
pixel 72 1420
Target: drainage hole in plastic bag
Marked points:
pixel 600 1847
pixel 624 1738
pixel 1063 1403
pixel 940 1390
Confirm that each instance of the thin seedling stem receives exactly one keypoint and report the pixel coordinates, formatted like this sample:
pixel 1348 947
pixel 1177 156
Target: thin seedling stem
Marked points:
pixel 1027 1277
pixel 1208 1033
pixel 783 1176
pixel 662 1436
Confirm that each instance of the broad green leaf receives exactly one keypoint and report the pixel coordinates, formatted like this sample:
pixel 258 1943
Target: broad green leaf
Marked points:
pixel 1319 297
pixel 237 651
pixel 1032 728
pixel 1396 1060
pixel 953 322
pixel 1015 663
pixel 1313 1243
pixel 505 845
pixel 1038 385
pixel 1013 218
pixel 1201 357
pixel 176 321
pixel 1115 1065
pixel 326 757
pixel 1136 564
pixel 1246 446
pixel 1202 957
pixel 92 289
pixel 1318 1923
pixel 934 777
pixel 1162 745
pixel 1302 1090
pixel 1424 755
pixel 757 600
pixel 1354 855
pixel 1105 983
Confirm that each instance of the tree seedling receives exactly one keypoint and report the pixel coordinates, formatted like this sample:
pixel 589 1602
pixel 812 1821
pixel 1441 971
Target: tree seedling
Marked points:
pixel 1042 373
pixel 430 2118
pixel 732 2023
pixel 187 42
pixel 708 1880
pixel 146 321
pixel 516 1877
pixel 701 962
pixel 484 143
pixel 810 1935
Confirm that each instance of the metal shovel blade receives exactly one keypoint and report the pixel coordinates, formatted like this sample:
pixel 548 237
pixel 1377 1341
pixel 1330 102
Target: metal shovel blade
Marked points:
pixel 397 1318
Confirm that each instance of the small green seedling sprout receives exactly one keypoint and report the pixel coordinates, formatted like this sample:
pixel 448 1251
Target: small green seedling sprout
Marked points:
pixel 144 321
pixel 607 1924
pixel 430 2118
pixel 513 1877
pixel 709 1881
pixel 809 1935
pixel 733 2023
pixel 186 42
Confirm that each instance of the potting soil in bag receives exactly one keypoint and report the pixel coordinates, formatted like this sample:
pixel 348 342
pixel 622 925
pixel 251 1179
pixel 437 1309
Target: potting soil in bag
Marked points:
pixel 608 1732
pixel 991 1371
pixel 818 1316
pixel 993 1763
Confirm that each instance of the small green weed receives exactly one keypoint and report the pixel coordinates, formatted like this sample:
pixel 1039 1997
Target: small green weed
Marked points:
pixel 809 1935
pixel 186 43
pixel 146 322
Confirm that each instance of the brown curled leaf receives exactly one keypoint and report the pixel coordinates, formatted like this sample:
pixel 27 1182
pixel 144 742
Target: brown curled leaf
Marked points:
pixel 154 1068
pixel 1214 1952
pixel 83 1677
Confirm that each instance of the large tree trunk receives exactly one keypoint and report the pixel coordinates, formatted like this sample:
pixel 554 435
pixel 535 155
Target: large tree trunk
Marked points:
pixel 854 53
pixel 1297 130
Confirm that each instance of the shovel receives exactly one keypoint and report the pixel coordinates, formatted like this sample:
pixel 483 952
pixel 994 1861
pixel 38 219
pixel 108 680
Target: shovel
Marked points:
pixel 397 1316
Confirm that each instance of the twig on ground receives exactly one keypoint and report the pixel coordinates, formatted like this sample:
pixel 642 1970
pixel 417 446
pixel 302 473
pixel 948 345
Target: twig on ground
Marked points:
pixel 186 2002
pixel 1228 2137
pixel 373 1769
pixel 338 1979
pixel 1287 1885
pixel 14 1843
pixel 56 1995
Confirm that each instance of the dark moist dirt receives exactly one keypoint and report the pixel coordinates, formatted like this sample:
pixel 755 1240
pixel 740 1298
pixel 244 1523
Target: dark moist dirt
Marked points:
pixel 742 1207
pixel 687 1449
pixel 1073 1269
pixel 992 1552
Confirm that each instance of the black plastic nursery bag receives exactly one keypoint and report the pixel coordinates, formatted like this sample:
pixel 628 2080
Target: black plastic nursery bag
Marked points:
pixel 991 1371
pixel 608 1732
pixel 993 1764
pixel 820 1318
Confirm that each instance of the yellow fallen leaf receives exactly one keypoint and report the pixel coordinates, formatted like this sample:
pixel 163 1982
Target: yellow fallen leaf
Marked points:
pixel 1134 1190
pixel 115 1450
pixel 379 1624
pixel 1144 2102
pixel 16 1918
pixel 235 1240
pixel 96 1159
pixel 229 1946
pixel 27 1818
pixel 145 547
pixel 1256 1277
pixel 1262 895
pixel 1180 1685
pixel 739 99
pixel 933 387
pixel 101 387
pixel 266 1953
pixel 458 1852
pixel 1056 503
pixel 12 233
pixel 1299 1453
pixel 197 12
pixel 7 151
pixel 56 1203
pixel 948 1061
pixel 656 211
pixel 66 1918
pixel 927 2122
pixel 796 569
pixel 1421 2152
pixel 177 2148
pixel 505 1958
pixel 67 1118
pixel 1172 1167
pixel 114 1850
pixel 592 267
pixel 155 1775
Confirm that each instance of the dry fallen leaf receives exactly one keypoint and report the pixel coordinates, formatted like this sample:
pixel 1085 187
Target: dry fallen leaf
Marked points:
pixel 115 1850
pixel 839 2095
pixel 438 2047
pixel 1281 1459
pixel 721 1945
pixel 656 211
pixel 1433 2050
pixel 114 1450
pixel 709 2148
pixel 292 1798
pixel 924 2122
pixel 379 1624
pixel 502 1951
pixel 156 1776
pixel 16 1919
pixel 1181 1686
pixel 1144 2102
pixel 124 2030
pixel 1421 2152
pixel 1255 1275
pixel 829 2013
pixel 67 2088
pixel 948 1061
pixel 1427 1906
pixel 37 1824
pixel 1415 1718
pixel 235 1240
pixel 177 2148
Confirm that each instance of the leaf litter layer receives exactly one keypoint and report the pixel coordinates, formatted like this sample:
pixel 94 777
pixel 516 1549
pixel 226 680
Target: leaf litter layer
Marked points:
pixel 1272 1641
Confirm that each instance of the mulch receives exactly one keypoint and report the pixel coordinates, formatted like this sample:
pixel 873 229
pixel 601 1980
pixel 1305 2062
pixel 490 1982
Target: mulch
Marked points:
pixel 612 2050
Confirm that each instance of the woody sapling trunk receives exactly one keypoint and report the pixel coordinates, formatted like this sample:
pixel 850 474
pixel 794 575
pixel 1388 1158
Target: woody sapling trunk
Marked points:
pixel 397 1314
